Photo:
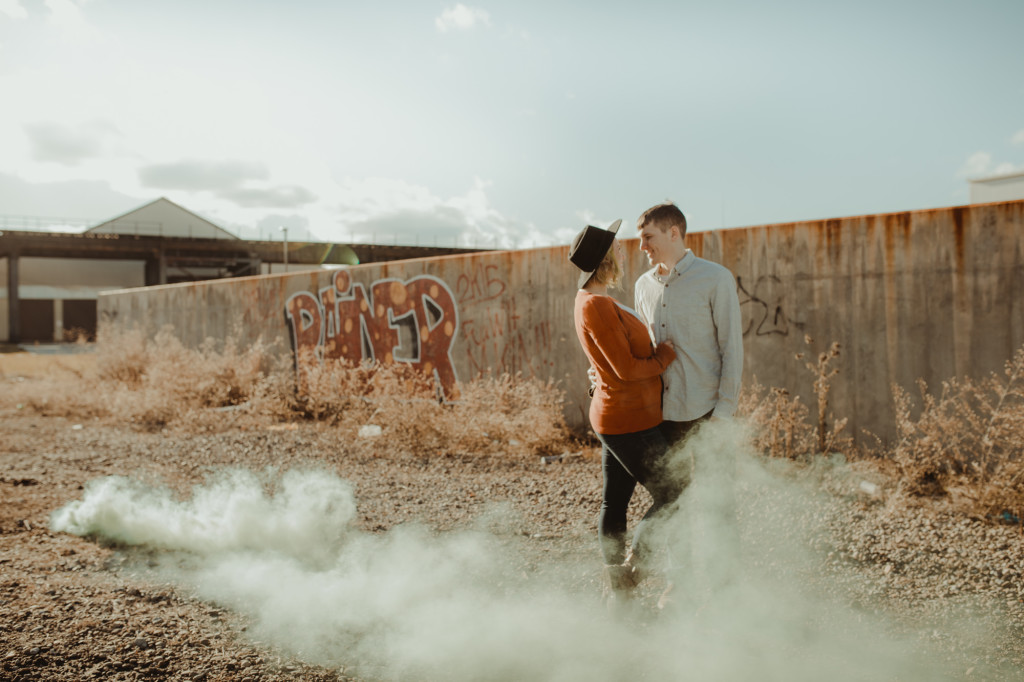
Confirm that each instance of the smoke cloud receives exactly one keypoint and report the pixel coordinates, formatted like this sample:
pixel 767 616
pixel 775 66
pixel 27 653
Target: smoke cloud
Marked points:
pixel 752 599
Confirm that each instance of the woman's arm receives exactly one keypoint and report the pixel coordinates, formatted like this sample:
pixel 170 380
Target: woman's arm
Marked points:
pixel 607 331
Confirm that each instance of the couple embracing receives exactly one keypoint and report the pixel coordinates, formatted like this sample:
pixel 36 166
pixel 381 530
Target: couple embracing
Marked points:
pixel 659 371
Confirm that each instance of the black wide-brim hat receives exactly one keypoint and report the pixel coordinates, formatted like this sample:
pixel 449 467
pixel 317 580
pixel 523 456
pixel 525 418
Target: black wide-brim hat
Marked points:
pixel 589 248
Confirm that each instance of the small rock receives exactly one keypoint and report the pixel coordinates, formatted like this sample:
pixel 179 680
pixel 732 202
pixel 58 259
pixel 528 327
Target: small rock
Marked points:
pixel 370 431
pixel 869 488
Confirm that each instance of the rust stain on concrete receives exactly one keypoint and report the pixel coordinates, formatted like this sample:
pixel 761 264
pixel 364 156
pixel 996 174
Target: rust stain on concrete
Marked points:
pixel 958 237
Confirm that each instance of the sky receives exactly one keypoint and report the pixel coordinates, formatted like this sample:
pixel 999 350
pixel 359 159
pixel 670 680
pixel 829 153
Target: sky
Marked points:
pixel 501 123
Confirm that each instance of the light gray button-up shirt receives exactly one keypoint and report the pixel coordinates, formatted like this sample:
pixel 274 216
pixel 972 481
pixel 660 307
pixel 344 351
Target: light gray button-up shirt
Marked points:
pixel 696 307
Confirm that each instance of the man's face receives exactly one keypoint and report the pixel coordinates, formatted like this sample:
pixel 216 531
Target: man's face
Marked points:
pixel 657 245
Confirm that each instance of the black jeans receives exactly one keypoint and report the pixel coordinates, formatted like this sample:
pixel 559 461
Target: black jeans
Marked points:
pixel 677 432
pixel 628 459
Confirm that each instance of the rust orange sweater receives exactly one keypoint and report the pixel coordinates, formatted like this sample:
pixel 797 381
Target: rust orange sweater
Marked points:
pixel 629 367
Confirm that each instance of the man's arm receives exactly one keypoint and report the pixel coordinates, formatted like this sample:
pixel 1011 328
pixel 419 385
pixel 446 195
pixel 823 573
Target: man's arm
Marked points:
pixel 725 310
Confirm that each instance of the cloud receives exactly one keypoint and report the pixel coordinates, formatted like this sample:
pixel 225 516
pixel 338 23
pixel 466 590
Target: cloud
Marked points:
pixel 68 18
pixel 68 144
pixel 13 9
pixel 442 225
pixel 393 211
pixel 197 175
pixel 270 197
pixel 1018 137
pixel 461 18
pixel 981 164
pixel 71 205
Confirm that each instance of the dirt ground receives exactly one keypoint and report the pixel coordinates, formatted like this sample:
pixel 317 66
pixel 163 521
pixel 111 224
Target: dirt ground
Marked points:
pixel 72 608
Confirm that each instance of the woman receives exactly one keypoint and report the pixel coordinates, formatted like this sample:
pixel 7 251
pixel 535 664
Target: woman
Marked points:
pixel 626 408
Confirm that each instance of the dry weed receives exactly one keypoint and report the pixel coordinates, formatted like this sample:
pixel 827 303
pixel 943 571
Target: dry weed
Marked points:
pixel 491 413
pixel 969 437
pixel 780 423
pixel 781 427
pixel 157 382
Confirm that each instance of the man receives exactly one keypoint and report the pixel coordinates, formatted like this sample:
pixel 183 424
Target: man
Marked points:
pixel 693 303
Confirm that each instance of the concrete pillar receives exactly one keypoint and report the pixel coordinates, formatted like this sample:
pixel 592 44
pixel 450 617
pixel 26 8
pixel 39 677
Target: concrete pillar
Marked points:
pixel 156 270
pixel 13 307
pixel 58 320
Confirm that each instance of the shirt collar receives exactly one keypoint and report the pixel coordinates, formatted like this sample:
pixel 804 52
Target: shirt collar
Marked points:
pixel 678 269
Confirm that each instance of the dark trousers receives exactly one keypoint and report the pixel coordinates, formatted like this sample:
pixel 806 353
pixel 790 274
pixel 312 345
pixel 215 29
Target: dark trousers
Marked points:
pixel 628 459
pixel 677 432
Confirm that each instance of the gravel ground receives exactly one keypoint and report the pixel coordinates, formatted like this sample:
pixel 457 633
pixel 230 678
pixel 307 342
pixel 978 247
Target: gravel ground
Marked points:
pixel 72 608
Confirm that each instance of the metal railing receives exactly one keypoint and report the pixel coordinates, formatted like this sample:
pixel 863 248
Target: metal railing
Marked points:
pixel 152 228
pixel 32 223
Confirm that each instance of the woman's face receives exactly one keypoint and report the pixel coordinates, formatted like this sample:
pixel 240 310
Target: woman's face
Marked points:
pixel 620 252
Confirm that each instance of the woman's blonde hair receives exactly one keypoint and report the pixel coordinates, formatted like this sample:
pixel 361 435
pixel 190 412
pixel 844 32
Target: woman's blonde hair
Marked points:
pixel 609 272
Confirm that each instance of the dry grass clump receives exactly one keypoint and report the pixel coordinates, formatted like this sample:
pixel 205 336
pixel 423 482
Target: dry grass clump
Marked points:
pixel 781 428
pixel 148 382
pixel 510 409
pixel 781 424
pixel 157 382
pixel 969 439
pixel 504 412
pixel 966 443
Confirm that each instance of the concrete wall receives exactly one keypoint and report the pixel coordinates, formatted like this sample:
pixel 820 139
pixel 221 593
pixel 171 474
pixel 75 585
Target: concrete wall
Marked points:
pixel 925 294
pixel 5 332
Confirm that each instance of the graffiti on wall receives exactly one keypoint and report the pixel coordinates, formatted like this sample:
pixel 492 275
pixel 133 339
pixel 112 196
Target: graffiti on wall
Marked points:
pixel 498 338
pixel 414 321
pixel 761 306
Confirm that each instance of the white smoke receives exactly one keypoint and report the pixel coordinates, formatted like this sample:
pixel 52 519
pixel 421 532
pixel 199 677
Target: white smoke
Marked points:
pixel 415 603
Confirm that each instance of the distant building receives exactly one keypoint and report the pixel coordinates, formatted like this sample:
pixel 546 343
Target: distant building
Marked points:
pixel 1005 187
pixel 57 294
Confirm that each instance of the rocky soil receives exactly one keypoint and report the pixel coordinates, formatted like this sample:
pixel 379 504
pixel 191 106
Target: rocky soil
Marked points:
pixel 70 609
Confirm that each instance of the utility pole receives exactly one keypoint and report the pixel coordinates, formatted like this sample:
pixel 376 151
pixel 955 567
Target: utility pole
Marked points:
pixel 285 230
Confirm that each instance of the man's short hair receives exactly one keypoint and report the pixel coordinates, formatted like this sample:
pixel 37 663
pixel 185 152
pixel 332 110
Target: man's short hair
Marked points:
pixel 663 217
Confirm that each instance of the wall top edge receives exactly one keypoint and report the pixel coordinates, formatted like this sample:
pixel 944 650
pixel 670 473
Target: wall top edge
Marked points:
pixel 863 216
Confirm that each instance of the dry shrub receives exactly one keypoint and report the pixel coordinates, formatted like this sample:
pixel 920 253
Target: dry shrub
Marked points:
pixel 780 423
pixel 970 438
pixel 504 413
pixel 781 426
pixel 335 389
pixel 513 409
pixel 158 382
pixel 153 382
